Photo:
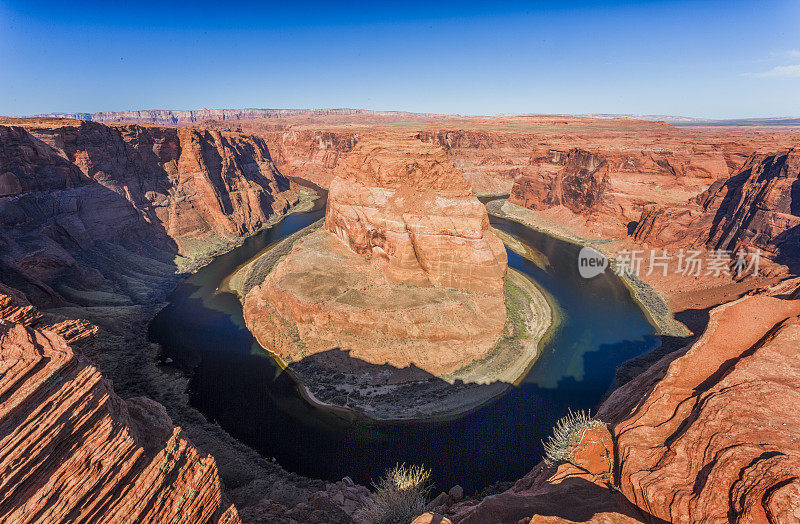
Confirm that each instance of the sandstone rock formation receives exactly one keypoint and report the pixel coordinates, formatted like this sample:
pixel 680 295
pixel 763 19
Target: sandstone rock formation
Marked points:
pixel 310 153
pixel 708 434
pixel 406 273
pixel 757 208
pixel 94 216
pixel 404 204
pixel 580 185
pixel 72 450
pixel 653 161
pixel 326 302
pixel 606 190
pixel 68 188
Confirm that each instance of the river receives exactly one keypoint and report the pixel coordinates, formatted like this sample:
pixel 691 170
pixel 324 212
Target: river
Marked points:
pixel 235 383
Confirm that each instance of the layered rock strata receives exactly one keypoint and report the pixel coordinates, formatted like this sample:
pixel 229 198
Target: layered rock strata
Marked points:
pixel 757 208
pixel 67 190
pixel 72 450
pixel 323 299
pixel 707 434
pixel 710 433
pixel 406 206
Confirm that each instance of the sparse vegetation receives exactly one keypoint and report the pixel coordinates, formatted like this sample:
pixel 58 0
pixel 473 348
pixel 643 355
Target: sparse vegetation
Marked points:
pixel 559 446
pixel 399 497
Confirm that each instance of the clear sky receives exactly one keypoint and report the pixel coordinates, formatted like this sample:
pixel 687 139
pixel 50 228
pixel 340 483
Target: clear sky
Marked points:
pixel 714 59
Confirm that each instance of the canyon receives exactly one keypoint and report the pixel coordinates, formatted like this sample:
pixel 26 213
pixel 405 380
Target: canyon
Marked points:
pixel 99 221
pixel 405 284
pixel 706 434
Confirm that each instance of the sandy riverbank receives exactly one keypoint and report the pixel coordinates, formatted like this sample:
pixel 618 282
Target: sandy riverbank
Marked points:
pixel 651 301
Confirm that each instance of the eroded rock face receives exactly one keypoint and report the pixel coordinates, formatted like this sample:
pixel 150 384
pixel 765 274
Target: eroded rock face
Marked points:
pixel 72 450
pixel 404 204
pixel 310 154
pixel 580 185
pixel 710 434
pixel 757 208
pixel 325 303
pixel 66 190
pixel 406 274
pixel 550 495
pixel 707 434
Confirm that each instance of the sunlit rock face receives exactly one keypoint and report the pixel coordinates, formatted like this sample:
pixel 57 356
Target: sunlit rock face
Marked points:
pixel 406 272
pixel 756 208
pixel 69 190
pixel 405 204
pixel 71 450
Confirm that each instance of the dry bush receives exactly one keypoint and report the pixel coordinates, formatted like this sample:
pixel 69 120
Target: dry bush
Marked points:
pixel 399 497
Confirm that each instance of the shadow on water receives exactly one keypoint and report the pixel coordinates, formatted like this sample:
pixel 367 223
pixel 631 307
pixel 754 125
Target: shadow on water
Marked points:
pixel 235 383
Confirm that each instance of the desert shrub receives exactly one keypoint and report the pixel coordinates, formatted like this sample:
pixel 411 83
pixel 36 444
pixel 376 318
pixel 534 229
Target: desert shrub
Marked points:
pixel 559 445
pixel 399 496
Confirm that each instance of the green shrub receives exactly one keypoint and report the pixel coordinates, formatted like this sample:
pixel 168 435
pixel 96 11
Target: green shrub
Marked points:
pixel 399 497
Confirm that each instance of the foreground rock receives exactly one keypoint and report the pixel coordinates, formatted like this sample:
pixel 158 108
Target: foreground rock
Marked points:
pixel 715 437
pixel 72 450
pixel 708 434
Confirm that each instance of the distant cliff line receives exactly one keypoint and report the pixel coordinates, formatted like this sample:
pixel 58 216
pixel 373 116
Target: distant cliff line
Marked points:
pixel 169 117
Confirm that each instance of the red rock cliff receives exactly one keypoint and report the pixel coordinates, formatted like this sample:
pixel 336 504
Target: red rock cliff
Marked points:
pixel 71 450
pixel 403 202
pixel 68 188
pixel 757 208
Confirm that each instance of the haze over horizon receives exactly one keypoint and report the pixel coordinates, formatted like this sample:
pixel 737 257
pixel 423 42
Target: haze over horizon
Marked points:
pixel 706 59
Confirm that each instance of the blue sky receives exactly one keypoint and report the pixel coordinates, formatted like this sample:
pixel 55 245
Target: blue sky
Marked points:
pixel 704 58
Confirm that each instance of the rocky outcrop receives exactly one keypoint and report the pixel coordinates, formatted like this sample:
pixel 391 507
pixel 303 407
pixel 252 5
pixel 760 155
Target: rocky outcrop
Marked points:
pixel 67 190
pixel 309 153
pixel 404 285
pixel 72 450
pixel 580 185
pixel 757 208
pixel 710 433
pixel 707 434
pixel 548 496
pixel 580 179
pixel 489 160
pixel 327 304
pixel 404 204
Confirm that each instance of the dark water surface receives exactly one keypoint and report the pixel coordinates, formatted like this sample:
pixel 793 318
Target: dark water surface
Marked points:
pixel 235 383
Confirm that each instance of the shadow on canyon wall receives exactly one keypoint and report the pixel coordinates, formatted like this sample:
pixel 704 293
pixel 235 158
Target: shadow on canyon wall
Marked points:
pixel 85 246
pixel 573 499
